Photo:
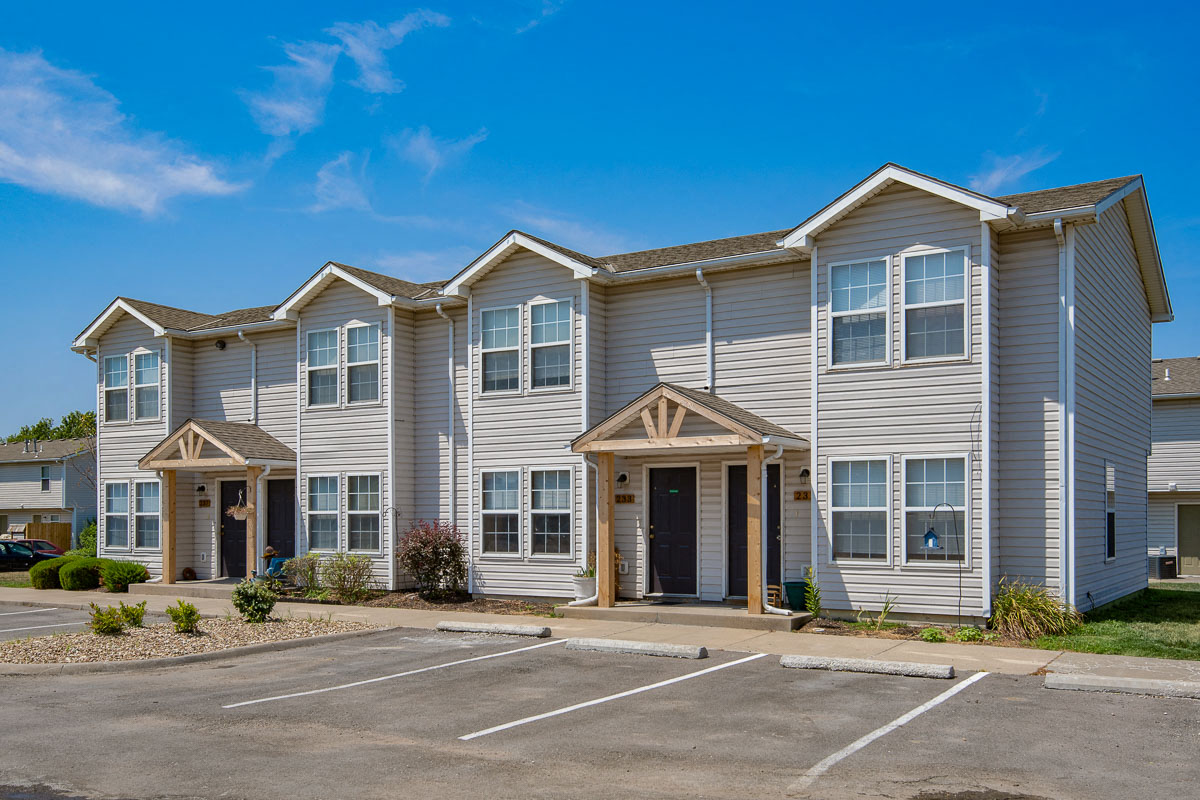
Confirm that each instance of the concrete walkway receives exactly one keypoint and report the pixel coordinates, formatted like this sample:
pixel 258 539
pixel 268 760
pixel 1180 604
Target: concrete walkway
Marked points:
pixel 964 657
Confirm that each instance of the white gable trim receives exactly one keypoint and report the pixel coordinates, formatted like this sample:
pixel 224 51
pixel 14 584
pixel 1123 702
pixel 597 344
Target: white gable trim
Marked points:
pixel 1145 242
pixel 803 237
pixel 88 337
pixel 501 250
pixel 317 283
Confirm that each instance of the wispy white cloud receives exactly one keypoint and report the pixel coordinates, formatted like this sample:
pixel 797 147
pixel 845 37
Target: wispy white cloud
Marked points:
pixel 341 183
pixel 62 134
pixel 295 103
pixel 430 153
pixel 549 9
pixel 999 172
pixel 426 265
pixel 367 43
pixel 588 239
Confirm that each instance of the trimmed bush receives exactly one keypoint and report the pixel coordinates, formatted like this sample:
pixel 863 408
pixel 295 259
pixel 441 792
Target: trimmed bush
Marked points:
pixel 348 577
pixel 185 616
pixel 106 621
pixel 304 571
pixel 117 575
pixel 435 556
pixel 254 600
pixel 44 574
pixel 80 574
pixel 133 615
pixel 1028 611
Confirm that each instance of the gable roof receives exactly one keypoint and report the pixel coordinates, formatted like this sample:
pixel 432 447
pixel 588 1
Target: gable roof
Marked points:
pixel 384 288
pixel 48 450
pixel 1065 197
pixel 242 442
pixel 1184 377
pixel 160 319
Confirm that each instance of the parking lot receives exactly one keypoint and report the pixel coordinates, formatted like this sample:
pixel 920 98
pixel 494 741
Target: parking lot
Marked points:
pixel 19 622
pixel 415 713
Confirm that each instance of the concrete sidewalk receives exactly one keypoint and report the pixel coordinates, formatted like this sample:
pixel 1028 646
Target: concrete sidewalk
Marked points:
pixel 963 657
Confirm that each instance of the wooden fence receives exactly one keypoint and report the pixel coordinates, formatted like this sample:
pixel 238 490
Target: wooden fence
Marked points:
pixel 57 532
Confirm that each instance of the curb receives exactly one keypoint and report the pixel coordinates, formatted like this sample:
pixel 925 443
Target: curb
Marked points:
pixel 94 667
pixel 538 631
pixel 639 648
pixel 904 668
pixel 1103 683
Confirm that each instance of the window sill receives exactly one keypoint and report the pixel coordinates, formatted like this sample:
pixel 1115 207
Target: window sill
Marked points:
pixel 552 390
pixel 859 562
pixel 1112 560
pixel 500 393
pixel 861 365
pixel 324 407
pixel 501 556
pixel 558 558
pixel 951 567
pixel 914 362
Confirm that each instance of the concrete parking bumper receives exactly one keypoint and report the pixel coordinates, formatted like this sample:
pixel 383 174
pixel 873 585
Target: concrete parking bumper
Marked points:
pixel 663 649
pixel 903 668
pixel 500 628
pixel 1123 685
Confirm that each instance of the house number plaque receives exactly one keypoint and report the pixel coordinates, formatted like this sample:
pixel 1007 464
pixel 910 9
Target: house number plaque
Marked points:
pixel 624 498
pixel 800 496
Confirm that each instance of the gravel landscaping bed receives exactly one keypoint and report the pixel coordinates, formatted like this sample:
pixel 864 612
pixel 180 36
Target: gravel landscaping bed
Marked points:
pixel 161 641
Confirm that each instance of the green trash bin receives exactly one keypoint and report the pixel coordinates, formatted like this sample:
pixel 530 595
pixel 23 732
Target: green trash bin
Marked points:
pixel 795 594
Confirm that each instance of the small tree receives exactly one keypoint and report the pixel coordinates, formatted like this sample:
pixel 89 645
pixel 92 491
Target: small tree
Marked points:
pixel 434 554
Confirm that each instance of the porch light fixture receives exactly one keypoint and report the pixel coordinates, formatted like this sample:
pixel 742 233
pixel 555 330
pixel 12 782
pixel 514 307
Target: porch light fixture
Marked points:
pixel 201 489
pixel 804 473
pixel 219 344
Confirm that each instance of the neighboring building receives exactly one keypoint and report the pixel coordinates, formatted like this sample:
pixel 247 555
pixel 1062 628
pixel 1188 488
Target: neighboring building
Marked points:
pixel 1174 470
pixel 47 481
pixel 991 353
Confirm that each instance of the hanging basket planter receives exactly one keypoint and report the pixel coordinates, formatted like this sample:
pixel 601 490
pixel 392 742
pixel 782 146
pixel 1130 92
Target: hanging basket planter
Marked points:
pixel 240 512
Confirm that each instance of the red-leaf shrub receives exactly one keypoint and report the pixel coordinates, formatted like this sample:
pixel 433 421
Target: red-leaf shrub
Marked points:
pixel 435 555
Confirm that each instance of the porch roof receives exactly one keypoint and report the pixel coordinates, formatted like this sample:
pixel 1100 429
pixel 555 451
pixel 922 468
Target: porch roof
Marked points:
pixel 740 428
pixel 200 444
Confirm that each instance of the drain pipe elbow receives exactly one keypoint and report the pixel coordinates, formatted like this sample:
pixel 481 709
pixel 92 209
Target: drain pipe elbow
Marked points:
pixel 762 526
pixel 709 360
pixel 595 598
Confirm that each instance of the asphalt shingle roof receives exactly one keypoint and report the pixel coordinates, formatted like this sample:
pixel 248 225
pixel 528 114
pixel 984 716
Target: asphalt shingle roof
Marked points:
pixel 1081 194
pixel 1185 376
pixel 48 450
pixel 247 440
pixel 720 405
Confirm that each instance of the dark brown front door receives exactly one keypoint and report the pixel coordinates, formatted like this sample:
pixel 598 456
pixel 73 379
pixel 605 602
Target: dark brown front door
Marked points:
pixel 281 517
pixel 672 531
pixel 1189 540
pixel 233 531
pixel 735 518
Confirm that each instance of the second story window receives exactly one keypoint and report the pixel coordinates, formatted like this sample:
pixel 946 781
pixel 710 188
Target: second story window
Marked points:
pixel 550 343
pixel 45 479
pixel 116 388
pixel 935 305
pixel 145 386
pixel 501 330
pixel 362 364
pixel 322 368
pixel 858 301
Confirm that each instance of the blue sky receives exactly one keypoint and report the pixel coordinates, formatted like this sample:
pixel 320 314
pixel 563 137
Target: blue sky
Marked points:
pixel 215 159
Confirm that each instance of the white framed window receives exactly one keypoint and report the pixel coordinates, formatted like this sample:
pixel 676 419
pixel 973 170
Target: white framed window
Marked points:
pixel 935 306
pixel 362 364
pixel 501 349
pixel 45 478
pixel 147 518
pixel 363 518
pixel 501 512
pixel 550 506
pixel 145 386
pixel 323 512
pixel 1110 511
pixel 322 368
pixel 550 344
pixel 936 509
pixel 859 509
pixel 116 515
pixel 116 388
pixel 858 311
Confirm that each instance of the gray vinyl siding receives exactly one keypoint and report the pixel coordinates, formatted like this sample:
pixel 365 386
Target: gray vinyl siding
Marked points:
pixel 528 430
pixel 403 400
pixel 431 464
pixel 1028 464
pixel 21 485
pixel 1175 445
pixel 897 410
pixel 1112 418
pixel 181 378
pixel 1162 520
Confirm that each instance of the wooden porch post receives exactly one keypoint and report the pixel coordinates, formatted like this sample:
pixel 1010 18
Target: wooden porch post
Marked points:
pixel 167 507
pixel 252 474
pixel 606 578
pixel 754 554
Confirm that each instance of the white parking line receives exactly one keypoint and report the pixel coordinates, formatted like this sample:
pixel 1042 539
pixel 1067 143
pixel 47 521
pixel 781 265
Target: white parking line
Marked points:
pixel 390 677
pixel 824 764
pixel 33 611
pixel 36 627
pixel 617 696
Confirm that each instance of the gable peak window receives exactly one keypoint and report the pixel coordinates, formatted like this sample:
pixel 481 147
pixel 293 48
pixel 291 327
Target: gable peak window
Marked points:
pixel 362 364
pixel 322 368
pixel 935 304
pixel 116 388
pixel 501 349
pixel 858 302
pixel 550 343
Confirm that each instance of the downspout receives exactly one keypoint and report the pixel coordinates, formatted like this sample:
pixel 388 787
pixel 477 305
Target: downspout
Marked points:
pixel 985 232
pixel 585 395
pixel 301 489
pixel 1071 384
pixel 708 328
pixel 470 443
pixel 591 601
pixel 762 527
pixel 168 390
pixel 390 550
pixel 260 514
pixel 253 377
pixel 450 444
pixel 814 510
pixel 1064 508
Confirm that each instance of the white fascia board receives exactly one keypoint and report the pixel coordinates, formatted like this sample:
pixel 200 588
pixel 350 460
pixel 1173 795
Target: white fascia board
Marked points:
pixel 497 252
pixel 316 283
pixel 87 339
pixel 1119 195
pixel 988 209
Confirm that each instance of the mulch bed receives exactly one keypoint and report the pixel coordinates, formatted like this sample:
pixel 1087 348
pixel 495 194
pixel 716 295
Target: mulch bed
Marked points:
pixel 837 628
pixel 462 602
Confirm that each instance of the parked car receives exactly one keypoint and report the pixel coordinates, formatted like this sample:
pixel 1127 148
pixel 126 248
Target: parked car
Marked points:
pixel 42 546
pixel 16 556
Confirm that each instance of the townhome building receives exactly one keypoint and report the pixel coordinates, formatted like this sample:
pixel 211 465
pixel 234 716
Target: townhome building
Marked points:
pixel 46 481
pixel 916 392
pixel 1174 469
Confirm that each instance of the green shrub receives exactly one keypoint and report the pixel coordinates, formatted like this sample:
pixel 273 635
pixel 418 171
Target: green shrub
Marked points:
pixel 87 540
pixel 968 634
pixel 44 574
pixel 933 635
pixel 185 616
pixel 435 556
pixel 133 615
pixel 254 600
pixel 1028 611
pixel 106 621
pixel 81 574
pixel 117 575
pixel 812 593
pixel 348 577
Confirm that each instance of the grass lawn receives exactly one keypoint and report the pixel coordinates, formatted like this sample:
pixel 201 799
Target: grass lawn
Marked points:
pixel 14 580
pixel 1162 622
